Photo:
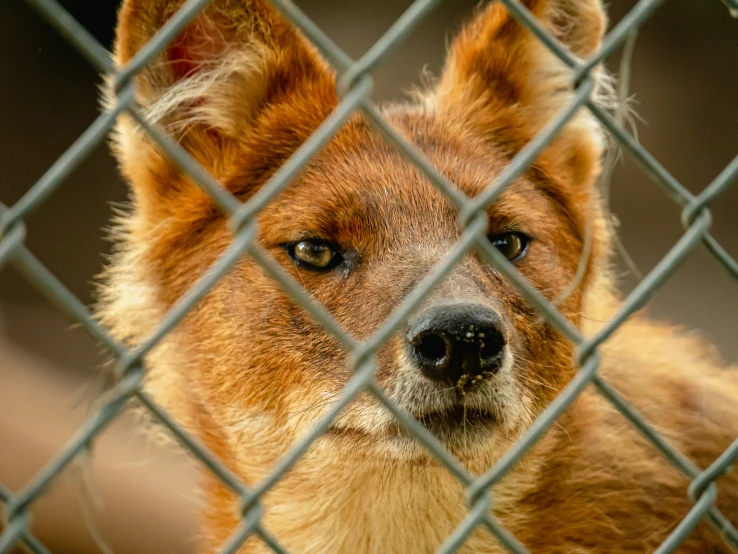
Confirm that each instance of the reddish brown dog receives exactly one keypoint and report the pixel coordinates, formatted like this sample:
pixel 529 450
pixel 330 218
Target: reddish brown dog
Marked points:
pixel 250 372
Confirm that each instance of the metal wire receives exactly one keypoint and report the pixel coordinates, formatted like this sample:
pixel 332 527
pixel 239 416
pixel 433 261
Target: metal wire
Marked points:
pixel 355 86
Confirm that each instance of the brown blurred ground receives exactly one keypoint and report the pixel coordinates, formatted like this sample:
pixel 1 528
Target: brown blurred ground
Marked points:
pixel 685 78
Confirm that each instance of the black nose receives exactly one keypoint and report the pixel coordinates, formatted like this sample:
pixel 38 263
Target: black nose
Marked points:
pixel 455 340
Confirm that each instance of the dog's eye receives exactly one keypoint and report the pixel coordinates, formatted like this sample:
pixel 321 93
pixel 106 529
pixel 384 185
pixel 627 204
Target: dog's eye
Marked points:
pixel 315 254
pixel 512 245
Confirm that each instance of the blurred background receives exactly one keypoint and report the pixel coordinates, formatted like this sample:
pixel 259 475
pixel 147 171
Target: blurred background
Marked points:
pixel 138 498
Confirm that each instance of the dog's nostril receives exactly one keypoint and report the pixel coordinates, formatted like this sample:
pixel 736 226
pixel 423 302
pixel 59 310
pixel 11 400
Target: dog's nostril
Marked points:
pixel 491 348
pixel 432 347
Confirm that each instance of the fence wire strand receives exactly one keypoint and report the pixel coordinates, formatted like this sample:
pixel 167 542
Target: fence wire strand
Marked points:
pixel 355 87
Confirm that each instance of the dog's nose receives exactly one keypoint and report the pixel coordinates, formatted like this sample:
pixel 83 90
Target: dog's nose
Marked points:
pixel 455 340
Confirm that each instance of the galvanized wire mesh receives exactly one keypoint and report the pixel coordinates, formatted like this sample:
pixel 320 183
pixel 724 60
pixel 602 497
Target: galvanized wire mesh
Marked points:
pixel 355 86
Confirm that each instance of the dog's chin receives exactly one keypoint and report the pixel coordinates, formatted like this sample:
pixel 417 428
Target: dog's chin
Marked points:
pixel 459 423
pixel 465 432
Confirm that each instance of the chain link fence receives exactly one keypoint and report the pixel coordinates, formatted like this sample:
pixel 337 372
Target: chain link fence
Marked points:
pixel 355 87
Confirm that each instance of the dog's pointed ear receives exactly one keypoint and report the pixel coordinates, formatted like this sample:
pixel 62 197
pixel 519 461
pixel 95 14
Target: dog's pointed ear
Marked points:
pixel 234 64
pixel 505 82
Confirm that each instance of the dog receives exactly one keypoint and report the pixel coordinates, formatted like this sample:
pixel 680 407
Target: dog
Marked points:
pixel 249 372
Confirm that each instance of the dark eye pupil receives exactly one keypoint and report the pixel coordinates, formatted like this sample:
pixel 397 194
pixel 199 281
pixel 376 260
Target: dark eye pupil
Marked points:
pixel 314 254
pixel 511 245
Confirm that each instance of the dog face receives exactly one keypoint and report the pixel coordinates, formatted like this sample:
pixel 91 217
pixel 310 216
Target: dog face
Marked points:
pixel 359 228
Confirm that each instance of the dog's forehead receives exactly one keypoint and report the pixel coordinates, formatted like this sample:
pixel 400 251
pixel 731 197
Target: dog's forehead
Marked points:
pixel 361 189
pixel 360 167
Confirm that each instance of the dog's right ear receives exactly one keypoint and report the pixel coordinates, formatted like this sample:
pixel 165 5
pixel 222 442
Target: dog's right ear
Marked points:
pixel 237 65
pixel 501 80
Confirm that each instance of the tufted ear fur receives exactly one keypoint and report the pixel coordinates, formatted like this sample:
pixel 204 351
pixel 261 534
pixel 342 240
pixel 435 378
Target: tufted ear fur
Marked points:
pixel 505 82
pixel 237 66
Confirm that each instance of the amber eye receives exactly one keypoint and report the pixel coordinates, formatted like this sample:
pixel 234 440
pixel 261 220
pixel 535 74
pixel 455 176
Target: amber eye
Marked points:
pixel 512 245
pixel 315 254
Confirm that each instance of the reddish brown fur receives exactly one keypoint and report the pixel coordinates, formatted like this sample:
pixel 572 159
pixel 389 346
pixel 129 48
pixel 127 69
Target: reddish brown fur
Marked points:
pixel 249 372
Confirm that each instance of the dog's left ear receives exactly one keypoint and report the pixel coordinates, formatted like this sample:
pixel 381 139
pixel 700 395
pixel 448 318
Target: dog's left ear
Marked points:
pixel 236 74
pixel 505 82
